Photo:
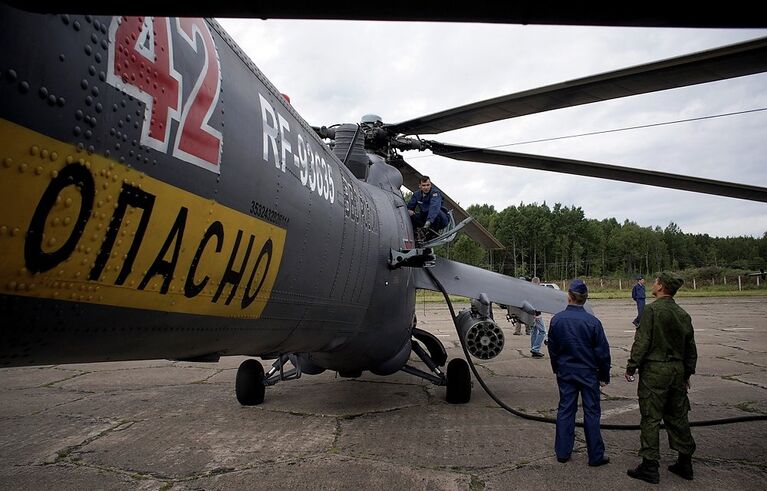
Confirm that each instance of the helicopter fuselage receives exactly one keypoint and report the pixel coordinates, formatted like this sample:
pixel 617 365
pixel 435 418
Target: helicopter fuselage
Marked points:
pixel 161 199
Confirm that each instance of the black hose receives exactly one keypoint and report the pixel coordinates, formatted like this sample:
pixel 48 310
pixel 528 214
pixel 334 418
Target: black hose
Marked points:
pixel 543 419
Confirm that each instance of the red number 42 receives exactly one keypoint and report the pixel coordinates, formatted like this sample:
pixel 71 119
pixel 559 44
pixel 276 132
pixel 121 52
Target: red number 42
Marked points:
pixel 141 64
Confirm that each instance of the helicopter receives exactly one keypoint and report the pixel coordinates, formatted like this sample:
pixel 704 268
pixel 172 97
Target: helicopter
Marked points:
pixel 162 199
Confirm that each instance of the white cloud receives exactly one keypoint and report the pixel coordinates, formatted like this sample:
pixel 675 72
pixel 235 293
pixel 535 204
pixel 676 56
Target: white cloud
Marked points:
pixel 336 71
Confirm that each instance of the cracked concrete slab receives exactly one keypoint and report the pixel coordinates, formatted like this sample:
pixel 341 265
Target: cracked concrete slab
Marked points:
pixel 188 445
pixel 172 425
pixel 152 402
pixel 728 444
pixel 450 437
pixel 578 476
pixel 70 477
pixel 46 438
pixel 723 366
pixel 339 473
pixel 357 397
pixel 25 377
pixel 136 377
pixel 32 401
pixel 725 391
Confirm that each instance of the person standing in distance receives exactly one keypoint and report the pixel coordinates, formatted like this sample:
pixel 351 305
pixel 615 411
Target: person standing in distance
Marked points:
pixel 664 352
pixel 538 329
pixel 580 357
pixel 538 334
pixel 638 295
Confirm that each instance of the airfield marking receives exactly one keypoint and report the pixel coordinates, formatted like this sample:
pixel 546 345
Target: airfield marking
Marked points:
pixel 738 329
pixel 620 410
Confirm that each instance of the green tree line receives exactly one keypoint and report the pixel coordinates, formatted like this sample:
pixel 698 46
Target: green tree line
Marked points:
pixel 560 242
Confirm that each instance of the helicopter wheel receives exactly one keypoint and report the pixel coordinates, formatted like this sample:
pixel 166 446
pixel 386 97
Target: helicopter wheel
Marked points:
pixel 249 386
pixel 458 382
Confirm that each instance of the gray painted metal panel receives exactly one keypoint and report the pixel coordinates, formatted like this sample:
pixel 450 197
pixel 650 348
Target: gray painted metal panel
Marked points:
pixel 61 81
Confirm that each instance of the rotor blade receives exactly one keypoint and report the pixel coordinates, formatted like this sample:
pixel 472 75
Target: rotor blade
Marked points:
pixel 604 171
pixel 473 229
pixel 736 60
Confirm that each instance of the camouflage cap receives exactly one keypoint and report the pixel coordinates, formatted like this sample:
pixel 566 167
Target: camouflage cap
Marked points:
pixel 671 281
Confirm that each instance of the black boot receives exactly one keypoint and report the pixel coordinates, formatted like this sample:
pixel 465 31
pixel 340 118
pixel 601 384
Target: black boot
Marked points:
pixel 646 471
pixel 683 466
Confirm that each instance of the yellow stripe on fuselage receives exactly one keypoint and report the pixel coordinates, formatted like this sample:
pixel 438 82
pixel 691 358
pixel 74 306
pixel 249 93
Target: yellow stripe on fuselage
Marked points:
pixel 85 228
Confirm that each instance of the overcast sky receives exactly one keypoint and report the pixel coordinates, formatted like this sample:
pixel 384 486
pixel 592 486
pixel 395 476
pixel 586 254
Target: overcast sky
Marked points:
pixel 336 71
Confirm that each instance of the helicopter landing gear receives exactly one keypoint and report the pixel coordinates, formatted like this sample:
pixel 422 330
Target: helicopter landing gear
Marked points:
pixel 249 386
pixel 457 380
pixel 252 382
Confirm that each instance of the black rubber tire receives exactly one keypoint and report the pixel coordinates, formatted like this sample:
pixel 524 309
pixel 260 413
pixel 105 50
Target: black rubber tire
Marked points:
pixel 458 382
pixel 249 385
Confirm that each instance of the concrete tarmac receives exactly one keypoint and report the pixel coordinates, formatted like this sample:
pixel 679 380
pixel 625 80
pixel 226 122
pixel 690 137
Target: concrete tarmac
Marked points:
pixel 163 425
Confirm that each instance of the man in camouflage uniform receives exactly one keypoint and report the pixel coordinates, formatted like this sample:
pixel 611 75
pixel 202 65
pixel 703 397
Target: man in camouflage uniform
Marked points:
pixel 664 353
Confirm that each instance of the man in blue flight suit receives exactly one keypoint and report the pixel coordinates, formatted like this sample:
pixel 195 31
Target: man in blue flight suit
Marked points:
pixel 638 294
pixel 580 357
pixel 431 216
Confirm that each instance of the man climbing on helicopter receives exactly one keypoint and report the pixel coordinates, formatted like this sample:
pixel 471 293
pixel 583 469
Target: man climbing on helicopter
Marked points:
pixel 431 216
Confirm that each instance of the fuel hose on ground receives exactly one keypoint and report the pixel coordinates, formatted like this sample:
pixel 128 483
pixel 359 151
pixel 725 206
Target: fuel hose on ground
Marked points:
pixel 543 419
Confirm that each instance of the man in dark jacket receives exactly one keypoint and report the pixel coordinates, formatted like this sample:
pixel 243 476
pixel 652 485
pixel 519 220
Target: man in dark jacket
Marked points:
pixel 430 215
pixel 580 357
pixel 664 352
